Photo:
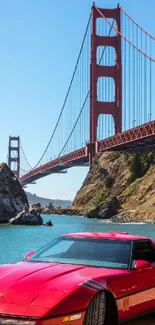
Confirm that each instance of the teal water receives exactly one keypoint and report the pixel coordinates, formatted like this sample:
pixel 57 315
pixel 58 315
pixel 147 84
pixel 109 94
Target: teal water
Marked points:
pixel 16 241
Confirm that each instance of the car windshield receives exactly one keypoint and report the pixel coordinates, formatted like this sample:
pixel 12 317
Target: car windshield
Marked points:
pixel 86 251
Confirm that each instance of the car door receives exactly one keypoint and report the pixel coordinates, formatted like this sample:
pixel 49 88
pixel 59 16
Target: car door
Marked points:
pixel 142 296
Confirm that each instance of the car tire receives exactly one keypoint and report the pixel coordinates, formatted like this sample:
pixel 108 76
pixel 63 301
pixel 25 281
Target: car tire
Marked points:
pixel 95 313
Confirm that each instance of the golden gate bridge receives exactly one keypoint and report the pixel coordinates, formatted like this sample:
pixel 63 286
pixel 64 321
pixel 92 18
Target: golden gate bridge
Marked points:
pixel 109 101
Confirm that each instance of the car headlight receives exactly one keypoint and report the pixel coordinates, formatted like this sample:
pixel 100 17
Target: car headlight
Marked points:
pixel 71 318
pixel 16 322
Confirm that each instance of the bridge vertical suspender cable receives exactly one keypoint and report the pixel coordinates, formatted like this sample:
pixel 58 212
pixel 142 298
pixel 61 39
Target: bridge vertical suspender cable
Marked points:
pixel 137 81
pixel 63 106
pixel 83 105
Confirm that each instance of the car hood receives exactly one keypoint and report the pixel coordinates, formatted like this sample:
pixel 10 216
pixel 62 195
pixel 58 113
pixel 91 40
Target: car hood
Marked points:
pixel 44 284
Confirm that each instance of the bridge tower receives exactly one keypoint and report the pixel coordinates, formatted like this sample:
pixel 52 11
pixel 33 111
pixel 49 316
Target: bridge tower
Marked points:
pixel 113 108
pixel 14 148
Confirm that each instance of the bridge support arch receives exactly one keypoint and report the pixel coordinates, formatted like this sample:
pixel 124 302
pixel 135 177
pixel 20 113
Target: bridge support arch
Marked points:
pixel 14 148
pixel 113 108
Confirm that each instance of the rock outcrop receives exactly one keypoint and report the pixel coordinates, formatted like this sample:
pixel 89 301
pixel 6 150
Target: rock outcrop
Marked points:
pixel 105 210
pixel 49 223
pixel 30 218
pixel 127 177
pixel 12 197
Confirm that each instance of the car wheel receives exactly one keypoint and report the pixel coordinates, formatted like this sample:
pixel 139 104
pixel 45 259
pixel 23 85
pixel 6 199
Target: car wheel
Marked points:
pixel 95 314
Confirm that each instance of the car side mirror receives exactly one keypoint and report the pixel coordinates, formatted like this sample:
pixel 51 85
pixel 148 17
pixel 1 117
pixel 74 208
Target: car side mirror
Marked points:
pixel 140 264
pixel 28 255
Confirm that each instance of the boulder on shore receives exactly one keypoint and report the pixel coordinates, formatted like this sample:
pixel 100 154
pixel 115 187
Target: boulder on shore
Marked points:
pixel 27 218
pixel 105 210
pixel 12 197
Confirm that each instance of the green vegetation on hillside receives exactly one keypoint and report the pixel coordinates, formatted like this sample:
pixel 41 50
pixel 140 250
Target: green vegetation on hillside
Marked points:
pixel 139 164
pixel 127 176
pixel 99 197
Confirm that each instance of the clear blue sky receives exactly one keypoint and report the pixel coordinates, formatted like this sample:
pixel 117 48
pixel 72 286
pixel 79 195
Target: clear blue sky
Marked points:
pixel 39 44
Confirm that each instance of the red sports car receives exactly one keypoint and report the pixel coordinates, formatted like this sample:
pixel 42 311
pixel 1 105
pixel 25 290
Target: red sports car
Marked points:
pixel 80 279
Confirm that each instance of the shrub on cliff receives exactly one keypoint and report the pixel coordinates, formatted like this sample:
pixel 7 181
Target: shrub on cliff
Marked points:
pixel 139 164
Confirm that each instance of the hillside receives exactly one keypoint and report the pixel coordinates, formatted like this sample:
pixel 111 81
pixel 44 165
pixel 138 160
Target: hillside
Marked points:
pixel 32 199
pixel 126 180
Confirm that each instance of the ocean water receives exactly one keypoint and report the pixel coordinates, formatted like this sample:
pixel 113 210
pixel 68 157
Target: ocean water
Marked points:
pixel 16 241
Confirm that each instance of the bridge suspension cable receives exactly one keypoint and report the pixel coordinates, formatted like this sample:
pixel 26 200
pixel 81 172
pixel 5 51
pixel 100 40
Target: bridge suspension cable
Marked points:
pixel 134 22
pixel 68 91
pixel 137 47
pixel 25 156
pixel 86 98
pixel 128 41
pixel 138 73
pixel 16 162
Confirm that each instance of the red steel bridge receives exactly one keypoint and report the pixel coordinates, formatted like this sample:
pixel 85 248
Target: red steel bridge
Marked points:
pixel 109 104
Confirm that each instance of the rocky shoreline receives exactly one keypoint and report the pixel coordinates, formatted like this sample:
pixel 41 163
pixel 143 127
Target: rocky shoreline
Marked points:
pixel 134 216
pixel 110 211
pixel 65 211
pixel 129 216
pixel 28 217
pixel 119 187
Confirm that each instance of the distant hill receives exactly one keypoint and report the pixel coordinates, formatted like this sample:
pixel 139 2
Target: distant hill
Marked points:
pixel 33 198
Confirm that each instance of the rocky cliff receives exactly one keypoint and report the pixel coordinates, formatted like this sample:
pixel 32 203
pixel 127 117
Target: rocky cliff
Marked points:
pixel 12 197
pixel 120 185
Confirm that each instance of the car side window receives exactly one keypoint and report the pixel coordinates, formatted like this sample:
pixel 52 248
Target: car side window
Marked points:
pixel 143 250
